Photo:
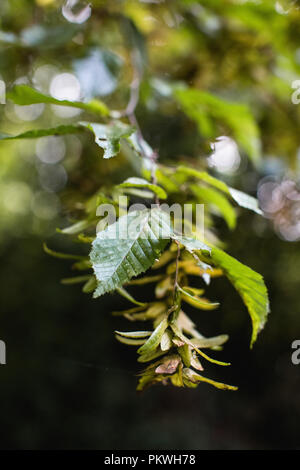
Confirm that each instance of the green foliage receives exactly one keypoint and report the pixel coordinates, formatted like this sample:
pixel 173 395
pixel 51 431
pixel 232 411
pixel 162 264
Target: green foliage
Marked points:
pixel 209 110
pixel 132 244
pixel 180 265
pixel 36 133
pixel 242 199
pixel 216 199
pixel 250 286
pixel 24 95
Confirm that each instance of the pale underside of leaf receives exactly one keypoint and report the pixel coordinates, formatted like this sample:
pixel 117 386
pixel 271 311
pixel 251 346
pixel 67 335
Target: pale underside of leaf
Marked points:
pixel 244 200
pixel 108 136
pixel 191 244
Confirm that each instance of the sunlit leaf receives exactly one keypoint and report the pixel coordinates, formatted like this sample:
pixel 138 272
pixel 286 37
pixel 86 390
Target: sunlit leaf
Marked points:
pixel 35 133
pixel 208 110
pixel 250 286
pixel 242 199
pixel 212 197
pixel 202 176
pixel 24 95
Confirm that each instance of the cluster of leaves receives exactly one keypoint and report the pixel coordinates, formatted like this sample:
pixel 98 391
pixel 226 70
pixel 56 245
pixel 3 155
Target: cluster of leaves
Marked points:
pixel 174 345
pixel 179 266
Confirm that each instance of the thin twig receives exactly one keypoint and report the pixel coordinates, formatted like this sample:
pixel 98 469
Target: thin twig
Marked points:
pixel 129 112
pixel 177 266
pixel 134 92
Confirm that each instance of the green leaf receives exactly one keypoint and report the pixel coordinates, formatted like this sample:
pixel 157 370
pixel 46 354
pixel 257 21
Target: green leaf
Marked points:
pixel 186 340
pixel 194 377
pixel 128 247
pixel 24 95
pixel 140 193
pixel 166 181
pixel 35 133
pixel 211 196
pixel 207 109
pixel 193 290
pixel 186 354
pixel 166 341
pixel 146 280
pixel 189 296
pixel 82 265
pixel 76 279
pixel 210 342
pixel 155 338
pixel 90 285
pixel 249 284
pixel 242 199
pixel 147 357
pixel 123 292
pixel 191 244
pixel 202 176
pixel 56 254
pixel 142 183
pixel 140 145
pixel 108 136
pixel 147 379
pixel 77 227
pixel 134 334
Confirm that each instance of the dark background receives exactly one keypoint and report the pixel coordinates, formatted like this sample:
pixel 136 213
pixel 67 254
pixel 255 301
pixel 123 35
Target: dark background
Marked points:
pixel 69 384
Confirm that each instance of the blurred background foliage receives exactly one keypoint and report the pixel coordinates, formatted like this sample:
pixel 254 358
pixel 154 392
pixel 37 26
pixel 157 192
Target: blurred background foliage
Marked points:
pixel 210 68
